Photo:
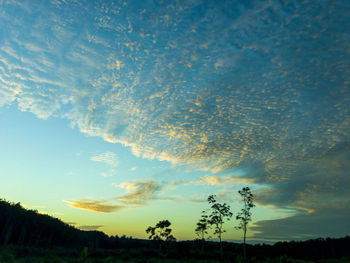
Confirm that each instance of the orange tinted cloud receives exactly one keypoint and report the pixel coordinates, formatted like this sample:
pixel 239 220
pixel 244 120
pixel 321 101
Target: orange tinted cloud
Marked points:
pixel 98 206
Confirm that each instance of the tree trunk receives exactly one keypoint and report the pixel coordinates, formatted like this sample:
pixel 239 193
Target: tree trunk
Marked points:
pixel 202 244
pixel 244 246
pixel 221 250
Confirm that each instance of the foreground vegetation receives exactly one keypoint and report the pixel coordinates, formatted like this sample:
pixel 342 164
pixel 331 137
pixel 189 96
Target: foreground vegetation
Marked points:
pixel 16 254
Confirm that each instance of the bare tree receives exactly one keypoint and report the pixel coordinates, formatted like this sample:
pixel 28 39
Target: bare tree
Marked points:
pixel 244 216
pixel 219 213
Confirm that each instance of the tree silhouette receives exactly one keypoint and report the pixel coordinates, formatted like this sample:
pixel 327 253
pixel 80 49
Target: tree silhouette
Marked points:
pixel 202 228
pixel 219 213
pixel 244 216
pixel 161 231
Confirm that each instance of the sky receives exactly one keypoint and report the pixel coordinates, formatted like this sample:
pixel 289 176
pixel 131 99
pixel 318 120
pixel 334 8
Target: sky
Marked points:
pixel 117 114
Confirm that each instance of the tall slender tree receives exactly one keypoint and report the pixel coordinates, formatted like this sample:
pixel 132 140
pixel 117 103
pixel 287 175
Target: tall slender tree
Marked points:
pixel 219 213
pixel 244 216
pixel 202 228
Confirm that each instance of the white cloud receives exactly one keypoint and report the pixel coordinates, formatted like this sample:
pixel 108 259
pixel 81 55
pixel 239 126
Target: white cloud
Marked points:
pixel 109 158
pixel 110 173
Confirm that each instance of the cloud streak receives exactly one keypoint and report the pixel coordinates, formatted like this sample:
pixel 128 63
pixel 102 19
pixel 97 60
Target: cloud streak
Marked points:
pixel 139 191
pixel 98 206
pixel 90 227
pixel 224 180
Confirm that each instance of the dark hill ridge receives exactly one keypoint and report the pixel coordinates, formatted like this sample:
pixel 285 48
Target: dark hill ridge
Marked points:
pixel 22 227
pixel 27 227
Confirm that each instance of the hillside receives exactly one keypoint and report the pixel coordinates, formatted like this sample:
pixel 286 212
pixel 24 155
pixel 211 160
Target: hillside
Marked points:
pixel 21 226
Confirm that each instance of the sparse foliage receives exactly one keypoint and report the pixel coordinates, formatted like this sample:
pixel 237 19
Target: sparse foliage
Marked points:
pixel 244 216
pixel 202 226
pixel 161 231
pixel 219 213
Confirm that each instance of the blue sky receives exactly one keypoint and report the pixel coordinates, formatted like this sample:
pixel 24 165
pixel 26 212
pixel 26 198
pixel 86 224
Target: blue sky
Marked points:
pixel 112 111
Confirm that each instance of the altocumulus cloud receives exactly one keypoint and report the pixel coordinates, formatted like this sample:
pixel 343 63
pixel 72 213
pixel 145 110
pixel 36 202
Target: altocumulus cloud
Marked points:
pixel 263 88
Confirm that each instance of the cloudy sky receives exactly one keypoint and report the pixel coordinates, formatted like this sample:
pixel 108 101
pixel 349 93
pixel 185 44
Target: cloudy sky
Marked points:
pixel 117 114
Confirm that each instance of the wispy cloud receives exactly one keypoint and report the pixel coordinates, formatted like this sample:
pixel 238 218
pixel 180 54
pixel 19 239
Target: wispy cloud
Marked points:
pixel 110 173
pixel 33 206
pixel 99 206
pixel 196 198
pixel 212 180
pixel 109 158
pixel 139 191
pixel 90 227
pixel 224 180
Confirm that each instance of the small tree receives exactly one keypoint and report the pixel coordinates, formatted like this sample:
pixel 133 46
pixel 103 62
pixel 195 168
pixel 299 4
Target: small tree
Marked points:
pixel 161 232
pixel 244 216
pixel 202 228
pixel 219 213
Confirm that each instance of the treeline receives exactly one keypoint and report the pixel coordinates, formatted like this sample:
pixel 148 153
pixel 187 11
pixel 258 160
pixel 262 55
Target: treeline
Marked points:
pixel 28 228
pixel 310 249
